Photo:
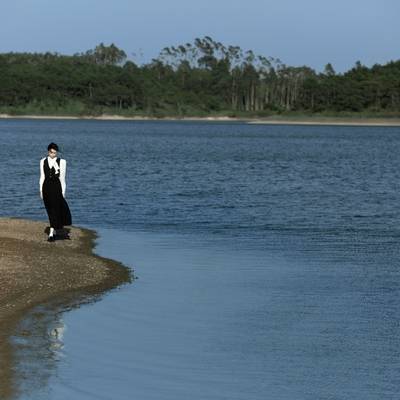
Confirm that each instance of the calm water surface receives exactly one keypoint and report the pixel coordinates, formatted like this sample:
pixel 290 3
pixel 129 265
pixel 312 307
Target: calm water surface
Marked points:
pixel 267 259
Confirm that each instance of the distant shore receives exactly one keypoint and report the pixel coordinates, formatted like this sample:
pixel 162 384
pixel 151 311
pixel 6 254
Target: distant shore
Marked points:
pixel 273 120
pixel 33 271
pixel 329 121
pixel 107 117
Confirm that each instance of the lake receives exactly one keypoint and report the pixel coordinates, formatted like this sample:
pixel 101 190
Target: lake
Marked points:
pixel 266 257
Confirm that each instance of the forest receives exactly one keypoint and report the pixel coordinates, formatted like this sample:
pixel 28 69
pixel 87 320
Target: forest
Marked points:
pixel 202 78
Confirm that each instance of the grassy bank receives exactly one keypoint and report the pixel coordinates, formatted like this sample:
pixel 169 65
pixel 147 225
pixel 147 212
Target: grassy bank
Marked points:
pixel 78 109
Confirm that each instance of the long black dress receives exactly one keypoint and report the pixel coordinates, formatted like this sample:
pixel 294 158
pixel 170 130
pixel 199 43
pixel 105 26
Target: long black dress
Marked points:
pixel 56 206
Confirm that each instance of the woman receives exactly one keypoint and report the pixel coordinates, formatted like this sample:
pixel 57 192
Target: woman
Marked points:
pixel 52 190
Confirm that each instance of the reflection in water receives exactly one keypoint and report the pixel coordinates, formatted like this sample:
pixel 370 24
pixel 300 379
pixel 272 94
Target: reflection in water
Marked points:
pixel 320 323
pixel 37 349
pixel 31 348
pixel 7 381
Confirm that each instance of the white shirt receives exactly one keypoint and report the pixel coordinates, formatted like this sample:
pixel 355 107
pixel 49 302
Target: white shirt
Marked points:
pixel 53 163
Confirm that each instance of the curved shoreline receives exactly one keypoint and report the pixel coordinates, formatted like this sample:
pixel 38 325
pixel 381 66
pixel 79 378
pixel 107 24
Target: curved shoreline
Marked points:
pixel 62 275
pixel 33 271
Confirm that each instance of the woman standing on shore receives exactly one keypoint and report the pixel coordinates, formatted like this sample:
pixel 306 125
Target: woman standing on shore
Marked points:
pixel 52 190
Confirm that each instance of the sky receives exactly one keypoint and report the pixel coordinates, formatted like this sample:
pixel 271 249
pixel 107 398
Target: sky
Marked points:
pixel 298 32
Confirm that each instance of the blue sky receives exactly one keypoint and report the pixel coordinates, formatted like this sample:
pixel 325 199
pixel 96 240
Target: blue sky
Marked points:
pixel 299 32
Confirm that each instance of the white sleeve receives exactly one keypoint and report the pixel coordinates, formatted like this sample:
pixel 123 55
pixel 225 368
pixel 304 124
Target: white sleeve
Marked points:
pixel 41 180
pixel 63 171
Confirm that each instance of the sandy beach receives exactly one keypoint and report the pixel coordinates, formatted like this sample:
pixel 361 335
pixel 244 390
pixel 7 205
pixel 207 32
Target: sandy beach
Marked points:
pixel 33 271
pixel 336 121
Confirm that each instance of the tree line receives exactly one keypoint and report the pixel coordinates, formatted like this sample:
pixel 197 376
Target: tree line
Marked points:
pixel 198 78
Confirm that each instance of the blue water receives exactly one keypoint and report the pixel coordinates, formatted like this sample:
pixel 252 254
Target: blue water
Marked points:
pixel 267 259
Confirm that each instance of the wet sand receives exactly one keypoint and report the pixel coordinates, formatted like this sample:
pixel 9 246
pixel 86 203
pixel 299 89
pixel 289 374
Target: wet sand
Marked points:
pixel 33 271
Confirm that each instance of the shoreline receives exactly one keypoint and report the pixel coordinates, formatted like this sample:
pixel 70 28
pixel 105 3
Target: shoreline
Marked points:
pixel 338 121
pixel 58 276
pixel 109 117
pixel 335 121
pixel 34 272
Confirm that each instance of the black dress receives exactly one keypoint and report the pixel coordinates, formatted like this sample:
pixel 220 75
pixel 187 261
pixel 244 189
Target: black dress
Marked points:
pixel 56 206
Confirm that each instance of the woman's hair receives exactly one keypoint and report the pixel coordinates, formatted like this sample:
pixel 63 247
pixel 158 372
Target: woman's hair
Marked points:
pixel 52 146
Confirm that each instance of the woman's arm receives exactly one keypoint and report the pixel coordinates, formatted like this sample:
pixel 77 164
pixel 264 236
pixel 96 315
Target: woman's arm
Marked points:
pixel 63 171
pixel 41 180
